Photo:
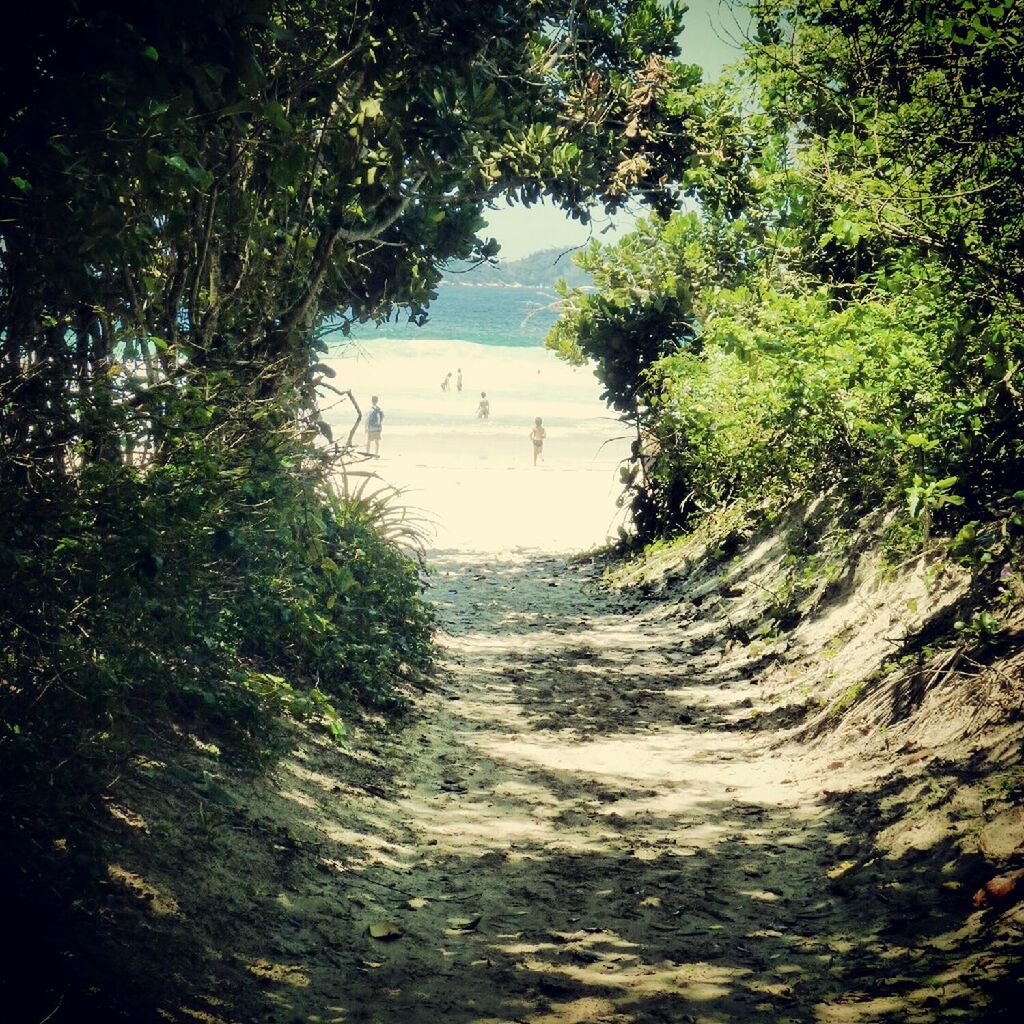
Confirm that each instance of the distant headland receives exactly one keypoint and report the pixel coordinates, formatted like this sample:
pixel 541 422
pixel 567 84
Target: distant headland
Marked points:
pixel 539 270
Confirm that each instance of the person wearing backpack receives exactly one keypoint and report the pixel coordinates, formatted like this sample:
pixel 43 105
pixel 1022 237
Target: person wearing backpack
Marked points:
pixel 374 424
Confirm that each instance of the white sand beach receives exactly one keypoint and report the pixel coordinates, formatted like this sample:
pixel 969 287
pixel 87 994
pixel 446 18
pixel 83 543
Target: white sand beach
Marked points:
pixel 475 478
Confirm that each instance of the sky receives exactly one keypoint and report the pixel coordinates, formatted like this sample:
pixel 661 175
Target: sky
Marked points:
pixel 710 28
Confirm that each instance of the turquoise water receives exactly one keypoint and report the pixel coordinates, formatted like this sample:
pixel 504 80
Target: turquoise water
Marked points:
pixel 510 316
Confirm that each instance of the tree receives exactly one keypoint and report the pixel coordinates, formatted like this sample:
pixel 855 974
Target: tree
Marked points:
pixel 855 319
pixel 907 119
pixel 907 123
pixel 223 189
pixel 187 192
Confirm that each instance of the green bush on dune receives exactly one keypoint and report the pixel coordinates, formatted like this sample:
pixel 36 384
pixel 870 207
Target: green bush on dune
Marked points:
pixel 853 322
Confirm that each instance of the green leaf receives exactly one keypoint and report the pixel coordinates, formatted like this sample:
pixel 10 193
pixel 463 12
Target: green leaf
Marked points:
pixel 370 108
pixel 150 53
pixel 274 113
pixel 345 581
pixel 241 107
pixel 179 163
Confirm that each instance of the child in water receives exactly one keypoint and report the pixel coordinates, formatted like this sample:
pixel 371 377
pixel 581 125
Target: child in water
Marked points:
pixel 537 436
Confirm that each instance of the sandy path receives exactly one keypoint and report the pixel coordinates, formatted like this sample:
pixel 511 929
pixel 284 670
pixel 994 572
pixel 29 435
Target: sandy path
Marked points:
pixel 603 816
pixel 580 824
pixel 584 831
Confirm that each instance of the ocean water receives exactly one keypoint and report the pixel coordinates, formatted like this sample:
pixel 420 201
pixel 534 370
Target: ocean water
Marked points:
pixel 494 336
pixel 506 315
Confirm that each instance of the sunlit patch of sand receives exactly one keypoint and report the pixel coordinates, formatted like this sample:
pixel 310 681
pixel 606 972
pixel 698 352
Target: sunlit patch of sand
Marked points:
pixel 479 828
pixel 128 817
pixel 325 782
pixel 280 974
pixel 159 902
pixel 373 848
pixel 203 1016
pixel 579 1011
pixel 695 768
pixel 852 1010
pixel 698 981
pixel 761 895
pixel 296 796
pixel 583 940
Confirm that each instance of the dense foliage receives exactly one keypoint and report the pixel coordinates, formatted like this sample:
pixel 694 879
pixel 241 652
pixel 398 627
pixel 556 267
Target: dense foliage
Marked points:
pixel 855 323
pixel 187 193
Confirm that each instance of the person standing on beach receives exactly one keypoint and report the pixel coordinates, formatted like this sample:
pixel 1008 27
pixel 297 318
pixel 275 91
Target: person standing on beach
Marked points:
pixel 483 410
pixel 374 425
pixel 537 436
pixel 458 382
pixel 446 383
